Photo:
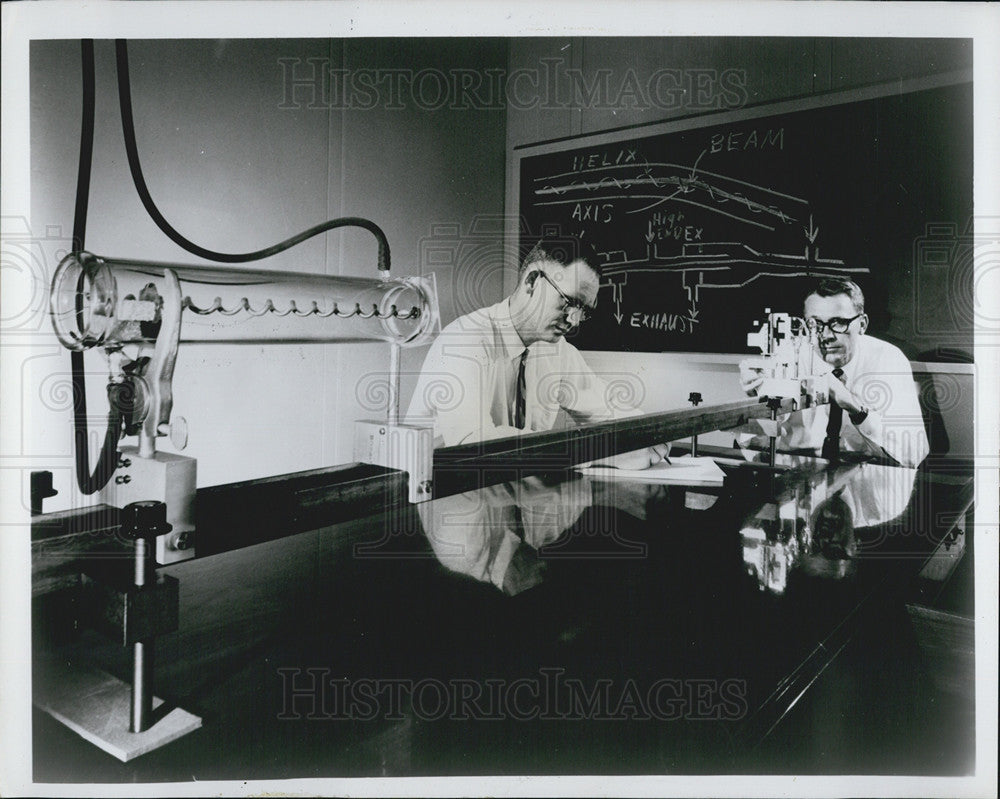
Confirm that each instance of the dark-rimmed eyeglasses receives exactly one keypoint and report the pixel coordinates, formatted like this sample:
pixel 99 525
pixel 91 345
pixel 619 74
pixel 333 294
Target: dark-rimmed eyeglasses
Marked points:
pixel 576 311
pixel 837 325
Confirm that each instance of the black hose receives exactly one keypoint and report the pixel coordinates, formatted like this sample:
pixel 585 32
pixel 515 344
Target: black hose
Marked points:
pixel 106 463
pixel 132 150
pixel 86 145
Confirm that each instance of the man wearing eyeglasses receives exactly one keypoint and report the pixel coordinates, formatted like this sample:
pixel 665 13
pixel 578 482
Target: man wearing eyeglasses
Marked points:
pixel 507 369
pixel 874 412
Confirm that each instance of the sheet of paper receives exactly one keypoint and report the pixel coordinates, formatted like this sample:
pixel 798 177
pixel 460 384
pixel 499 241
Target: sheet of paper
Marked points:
pixel 684 470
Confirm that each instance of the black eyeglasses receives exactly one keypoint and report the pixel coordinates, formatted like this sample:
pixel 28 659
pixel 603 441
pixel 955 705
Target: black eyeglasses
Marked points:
pixel 576 311
pixel 837 324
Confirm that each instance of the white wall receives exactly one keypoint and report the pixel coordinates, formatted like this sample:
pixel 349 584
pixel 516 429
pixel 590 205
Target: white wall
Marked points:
pixel 233 170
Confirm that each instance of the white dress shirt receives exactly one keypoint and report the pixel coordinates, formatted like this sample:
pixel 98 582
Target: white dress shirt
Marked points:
pixel 477 533
pixel 880 376
pixel 467 387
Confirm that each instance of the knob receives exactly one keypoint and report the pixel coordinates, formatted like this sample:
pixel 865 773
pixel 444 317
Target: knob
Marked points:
pixel 177 430
pixel 122 479
pixel 146 519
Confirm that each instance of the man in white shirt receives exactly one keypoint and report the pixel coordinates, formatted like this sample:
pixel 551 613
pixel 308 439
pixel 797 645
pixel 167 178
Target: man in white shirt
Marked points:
pixel 873 408
pixel 496 533
pixel 507 369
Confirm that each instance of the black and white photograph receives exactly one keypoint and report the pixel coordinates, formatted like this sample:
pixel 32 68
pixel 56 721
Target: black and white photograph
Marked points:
pixel 499 399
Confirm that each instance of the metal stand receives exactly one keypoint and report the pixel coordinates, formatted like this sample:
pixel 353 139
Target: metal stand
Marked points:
pixel 117 717
pixel 143 522
pixel 695 399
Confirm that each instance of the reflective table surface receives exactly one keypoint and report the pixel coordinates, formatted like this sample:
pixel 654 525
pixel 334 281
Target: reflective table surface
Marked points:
pixel 559 624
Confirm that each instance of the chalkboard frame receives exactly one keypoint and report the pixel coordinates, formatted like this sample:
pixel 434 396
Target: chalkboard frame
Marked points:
pixel 514 219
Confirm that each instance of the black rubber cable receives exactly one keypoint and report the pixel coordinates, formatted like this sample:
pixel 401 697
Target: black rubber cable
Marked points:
pixel 86 144
pixel 106 463
pixel 132 151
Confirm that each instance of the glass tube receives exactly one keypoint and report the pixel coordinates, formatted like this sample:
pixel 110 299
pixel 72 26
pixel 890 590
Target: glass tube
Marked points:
pixel 108 302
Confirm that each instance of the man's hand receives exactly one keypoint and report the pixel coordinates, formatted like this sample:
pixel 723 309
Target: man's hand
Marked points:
pixel 637 459
pixel 751 378
pixel 844 397
pixel 525 570
pixel 661 450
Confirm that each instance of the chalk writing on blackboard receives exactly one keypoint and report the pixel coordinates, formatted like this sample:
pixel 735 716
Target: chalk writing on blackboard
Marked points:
pixel 702 226
pixel 609 185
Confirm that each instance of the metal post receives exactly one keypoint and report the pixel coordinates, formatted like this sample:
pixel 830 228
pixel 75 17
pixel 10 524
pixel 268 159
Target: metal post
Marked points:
pixel 774 403
pixel 142 655
pixel 394 350
pixel 143 521
pixel 142 686
pixel 695 399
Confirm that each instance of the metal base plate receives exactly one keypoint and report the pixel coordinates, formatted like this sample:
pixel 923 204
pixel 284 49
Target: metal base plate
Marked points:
pixel 95 705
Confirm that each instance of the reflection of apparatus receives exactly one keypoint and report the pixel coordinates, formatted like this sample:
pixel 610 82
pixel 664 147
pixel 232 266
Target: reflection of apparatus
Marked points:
pixel 789 361
pixel 772 541
pixel 114 304
pixel 812 526
pixel 812 531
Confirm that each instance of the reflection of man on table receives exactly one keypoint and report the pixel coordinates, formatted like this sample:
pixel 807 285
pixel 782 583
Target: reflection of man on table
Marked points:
pixel 873 409
pixel 495 534
pixel 507 369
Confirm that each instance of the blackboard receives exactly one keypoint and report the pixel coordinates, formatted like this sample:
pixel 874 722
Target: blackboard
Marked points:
pixel 699 229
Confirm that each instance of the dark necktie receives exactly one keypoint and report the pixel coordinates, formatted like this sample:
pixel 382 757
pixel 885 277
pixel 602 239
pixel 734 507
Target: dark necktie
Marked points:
pixel 519 401
pixel 831 444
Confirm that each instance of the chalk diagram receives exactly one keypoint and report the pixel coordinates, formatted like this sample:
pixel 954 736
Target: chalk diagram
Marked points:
pixel 643 187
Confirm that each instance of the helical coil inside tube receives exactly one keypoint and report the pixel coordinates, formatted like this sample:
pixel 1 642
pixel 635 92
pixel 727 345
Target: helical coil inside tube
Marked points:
pixel 107 302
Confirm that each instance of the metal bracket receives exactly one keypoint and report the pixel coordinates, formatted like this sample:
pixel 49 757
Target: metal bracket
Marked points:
pixel 129 613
